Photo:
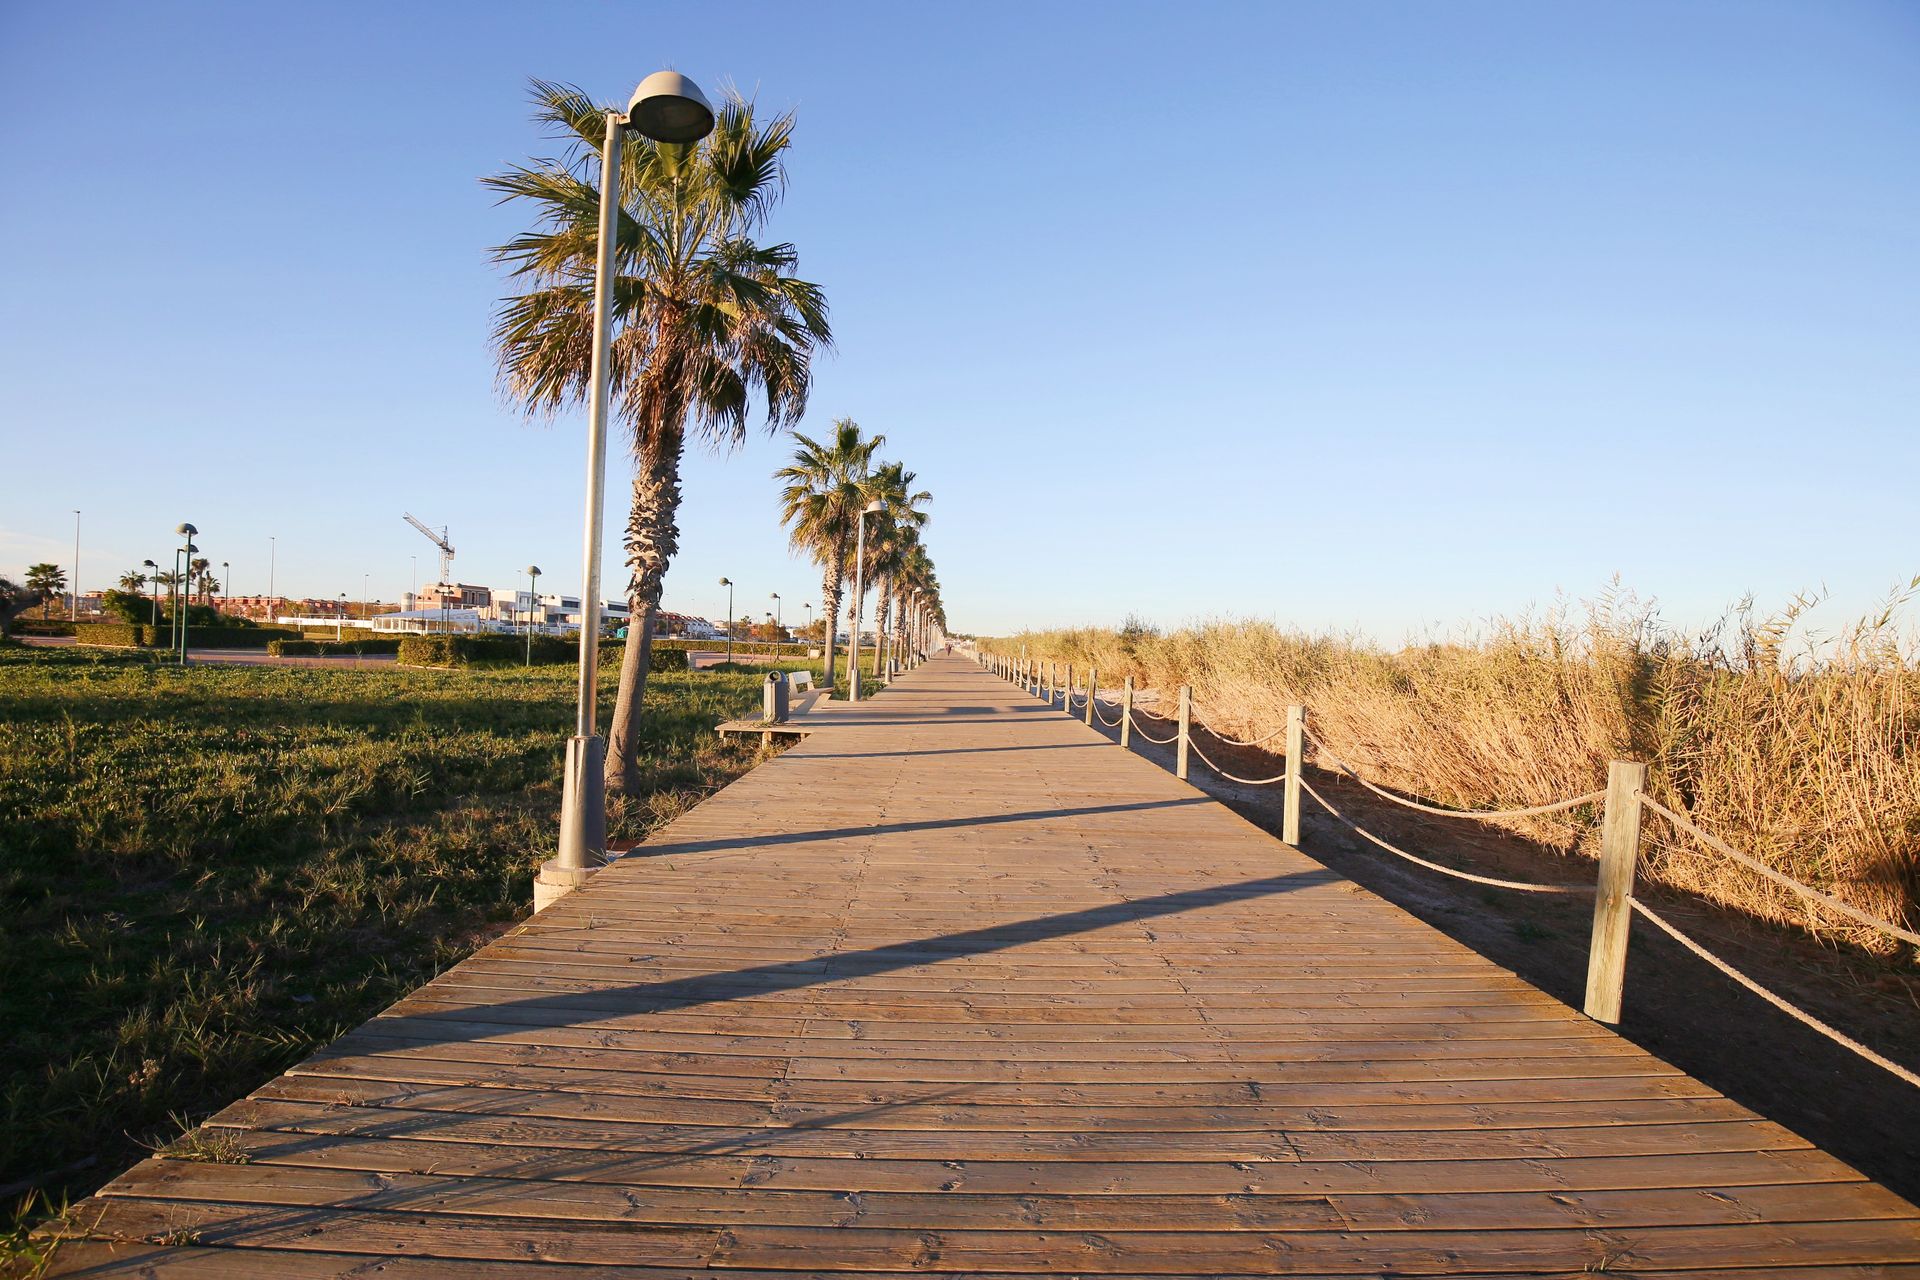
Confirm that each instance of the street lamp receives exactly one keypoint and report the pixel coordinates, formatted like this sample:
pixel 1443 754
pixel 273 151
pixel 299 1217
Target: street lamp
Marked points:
pixel 154 578
pixel 226 580
pixel 340 619
pixel 273 562
pixel 73 606
pixel 666 107
pixel 186 532
pixel 808 606
pixel 728 584
pixel 859 599
pixel 777 615
pixel 533 602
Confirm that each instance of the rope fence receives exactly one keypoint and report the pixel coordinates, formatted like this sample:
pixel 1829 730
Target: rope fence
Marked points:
pixel 1483 815
pixel 1779 1002
pixel 1808 892
pixel 1620 804
pixel 1520 885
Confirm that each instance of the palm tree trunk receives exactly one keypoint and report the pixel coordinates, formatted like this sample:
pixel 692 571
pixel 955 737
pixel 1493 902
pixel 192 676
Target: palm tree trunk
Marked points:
pixel 652 539
pixel 880 603
pixel 831 593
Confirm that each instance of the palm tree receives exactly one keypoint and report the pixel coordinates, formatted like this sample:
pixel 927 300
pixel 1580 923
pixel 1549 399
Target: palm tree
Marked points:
pixel 896 528
pixel 197 577
pixel 704 318
pixel 133 580
pixel 914 587
pixel 825 488
pixel 49 580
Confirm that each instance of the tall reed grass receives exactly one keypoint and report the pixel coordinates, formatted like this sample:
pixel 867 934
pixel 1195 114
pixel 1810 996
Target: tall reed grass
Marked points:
pixel 1803 750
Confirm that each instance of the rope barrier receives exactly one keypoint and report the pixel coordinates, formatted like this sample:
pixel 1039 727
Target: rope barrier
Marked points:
pixel 1252 782
pixel 1239 742
pixel 1753 864
pixel 1838 1037
pixel 1149 737
pixel 1101 716
pixel 1434 866
pixel 1483 814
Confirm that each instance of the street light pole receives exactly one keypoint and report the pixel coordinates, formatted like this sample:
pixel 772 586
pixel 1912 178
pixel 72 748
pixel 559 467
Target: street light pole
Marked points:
pixel 667 107
pixel 777 617
pixel 533 602
pixel 73 606
pixel 859 602
pixel 728 584
pixel 154 578
pixel 273 561
pixel 226 580
pixel 186 531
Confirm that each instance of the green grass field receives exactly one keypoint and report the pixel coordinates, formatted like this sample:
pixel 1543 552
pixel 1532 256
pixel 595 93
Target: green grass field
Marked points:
pixel 207 873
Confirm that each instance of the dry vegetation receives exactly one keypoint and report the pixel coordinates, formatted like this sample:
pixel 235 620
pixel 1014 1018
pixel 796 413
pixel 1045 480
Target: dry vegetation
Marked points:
pixel 1802 749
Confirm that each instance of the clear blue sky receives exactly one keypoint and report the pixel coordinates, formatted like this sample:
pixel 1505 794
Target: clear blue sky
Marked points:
pixel 1376 316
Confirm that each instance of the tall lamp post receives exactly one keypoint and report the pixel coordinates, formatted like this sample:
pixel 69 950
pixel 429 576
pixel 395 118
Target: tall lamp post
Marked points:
pixel 669 108
pixel 226 580
pixel 728 584
pixel 859 601
pixel 340 619
pixel 779 618
pixel 154 578
pixel 533 602
pixel 73 606
pixel 186 549
pixel 273 562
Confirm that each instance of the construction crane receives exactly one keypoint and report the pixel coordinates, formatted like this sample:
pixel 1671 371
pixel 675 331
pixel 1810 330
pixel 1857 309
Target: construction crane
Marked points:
pixel 439 540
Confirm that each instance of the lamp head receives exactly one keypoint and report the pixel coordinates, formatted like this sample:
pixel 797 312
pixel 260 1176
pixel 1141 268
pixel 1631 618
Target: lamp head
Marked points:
pixel 726 582
pixel 871 507
pixel 533 571
pixel 668 107
pixel 185 530
pixel 149 564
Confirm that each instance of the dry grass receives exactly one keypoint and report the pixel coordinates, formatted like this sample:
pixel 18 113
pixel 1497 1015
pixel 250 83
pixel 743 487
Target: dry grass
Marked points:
pixel 1807 757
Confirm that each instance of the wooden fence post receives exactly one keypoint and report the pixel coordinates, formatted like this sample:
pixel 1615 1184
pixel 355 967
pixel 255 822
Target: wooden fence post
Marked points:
pixel 1126 714
pixel 1613 904
pixel 1186 723
pixel 1093 683
pixel 1066 694
pixel 1296 753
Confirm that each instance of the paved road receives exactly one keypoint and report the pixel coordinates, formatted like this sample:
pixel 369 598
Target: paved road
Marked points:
pixel 956 986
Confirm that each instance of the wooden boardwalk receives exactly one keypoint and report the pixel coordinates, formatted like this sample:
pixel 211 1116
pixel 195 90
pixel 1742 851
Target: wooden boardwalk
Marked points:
pixel 957 986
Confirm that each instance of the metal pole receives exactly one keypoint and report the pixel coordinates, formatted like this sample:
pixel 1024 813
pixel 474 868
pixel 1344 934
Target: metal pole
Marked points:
pixel 583 804
pixel 533 602
pixel 73 596
pixel 273 558
pixel 853 653
pixel 226 571
pixel 729 620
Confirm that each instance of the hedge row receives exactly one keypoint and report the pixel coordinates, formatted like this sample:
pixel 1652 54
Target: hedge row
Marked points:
pixel 42 627
pixel 333 648
pixel 128 635
pixel 445 650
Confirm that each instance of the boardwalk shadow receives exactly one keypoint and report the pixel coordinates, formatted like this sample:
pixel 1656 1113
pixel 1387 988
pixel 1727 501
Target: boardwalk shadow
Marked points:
pixel 762 839
pixel 566 1008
